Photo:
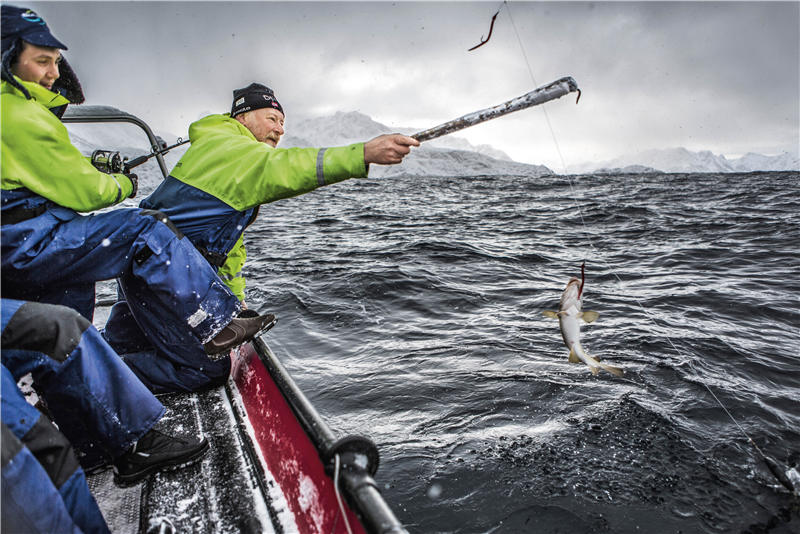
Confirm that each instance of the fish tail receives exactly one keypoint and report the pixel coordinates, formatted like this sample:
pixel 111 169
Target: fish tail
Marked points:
pixel 594 365
pixel 611 369
pixel 578 354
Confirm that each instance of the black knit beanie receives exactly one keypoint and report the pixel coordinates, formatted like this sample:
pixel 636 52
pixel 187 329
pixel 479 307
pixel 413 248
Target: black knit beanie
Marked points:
pixel 254 96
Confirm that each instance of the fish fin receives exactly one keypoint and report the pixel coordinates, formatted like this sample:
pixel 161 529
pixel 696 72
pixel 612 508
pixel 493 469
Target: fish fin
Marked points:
pixel 573 358
pixel 589 316
pixel 595 370
pixel 550 314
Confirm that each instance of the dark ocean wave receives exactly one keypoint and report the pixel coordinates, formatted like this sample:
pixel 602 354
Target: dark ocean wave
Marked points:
pixel 410 309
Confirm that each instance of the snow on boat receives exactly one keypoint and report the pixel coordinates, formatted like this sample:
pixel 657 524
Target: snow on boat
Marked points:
pixel 274 464
pixel 271 467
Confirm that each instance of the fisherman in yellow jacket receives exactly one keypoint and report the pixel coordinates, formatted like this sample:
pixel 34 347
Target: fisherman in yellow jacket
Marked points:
pixel 233 167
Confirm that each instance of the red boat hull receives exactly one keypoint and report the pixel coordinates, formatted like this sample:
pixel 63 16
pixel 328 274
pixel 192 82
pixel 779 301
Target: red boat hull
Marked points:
pixel 289 454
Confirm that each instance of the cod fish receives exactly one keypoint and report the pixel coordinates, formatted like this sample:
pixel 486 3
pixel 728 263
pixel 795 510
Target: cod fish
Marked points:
pixel 569 317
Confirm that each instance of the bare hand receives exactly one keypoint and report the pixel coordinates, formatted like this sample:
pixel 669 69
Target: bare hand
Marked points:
pixel 388 149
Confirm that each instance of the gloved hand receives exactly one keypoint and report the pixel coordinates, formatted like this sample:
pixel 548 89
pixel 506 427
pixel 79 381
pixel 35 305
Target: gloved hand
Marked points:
pixel 135 181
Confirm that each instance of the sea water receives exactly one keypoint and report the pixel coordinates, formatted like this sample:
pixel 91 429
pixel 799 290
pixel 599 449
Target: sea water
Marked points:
pixel 410 311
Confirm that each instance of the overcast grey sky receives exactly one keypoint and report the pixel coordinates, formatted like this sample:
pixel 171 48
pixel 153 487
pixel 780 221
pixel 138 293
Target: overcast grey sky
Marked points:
pixel 719 76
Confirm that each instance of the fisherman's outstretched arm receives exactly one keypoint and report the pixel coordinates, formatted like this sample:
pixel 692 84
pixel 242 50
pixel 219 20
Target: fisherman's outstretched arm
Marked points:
pixel 254 173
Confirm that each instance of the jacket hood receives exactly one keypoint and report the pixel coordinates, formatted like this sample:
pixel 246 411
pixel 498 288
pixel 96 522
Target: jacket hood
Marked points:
pixel 217 123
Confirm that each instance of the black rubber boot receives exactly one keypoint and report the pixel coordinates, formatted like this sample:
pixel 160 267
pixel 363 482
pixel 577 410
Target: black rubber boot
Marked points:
pixel 157 452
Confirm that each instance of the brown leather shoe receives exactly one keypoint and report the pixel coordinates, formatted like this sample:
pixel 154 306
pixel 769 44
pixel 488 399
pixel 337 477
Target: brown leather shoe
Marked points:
pixel 239 331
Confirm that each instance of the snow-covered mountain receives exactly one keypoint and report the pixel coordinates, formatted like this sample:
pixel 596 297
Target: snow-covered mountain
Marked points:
pixel 352 127
pixel 759 162
pixel 446 156
pixel 683 160
pixel 333 130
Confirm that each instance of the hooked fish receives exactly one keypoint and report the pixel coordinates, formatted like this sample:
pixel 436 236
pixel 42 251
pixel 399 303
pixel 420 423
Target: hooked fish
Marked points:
pixel 569 317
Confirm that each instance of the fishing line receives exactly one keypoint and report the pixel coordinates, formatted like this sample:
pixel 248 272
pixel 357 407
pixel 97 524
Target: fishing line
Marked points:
pixel 533 79
pixel 549 124
pixel 773 466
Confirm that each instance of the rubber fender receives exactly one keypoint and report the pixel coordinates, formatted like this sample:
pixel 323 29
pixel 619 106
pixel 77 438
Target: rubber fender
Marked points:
pixel 357 453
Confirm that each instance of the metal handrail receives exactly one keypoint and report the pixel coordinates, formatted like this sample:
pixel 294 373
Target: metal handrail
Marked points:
pixel 86 114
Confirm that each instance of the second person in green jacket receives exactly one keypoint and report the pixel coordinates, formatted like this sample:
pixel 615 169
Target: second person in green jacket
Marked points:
pixel 233 167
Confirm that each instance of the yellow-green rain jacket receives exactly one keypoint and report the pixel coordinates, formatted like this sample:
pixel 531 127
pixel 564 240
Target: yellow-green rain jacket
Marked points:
pixel 216 188
pixel 38 161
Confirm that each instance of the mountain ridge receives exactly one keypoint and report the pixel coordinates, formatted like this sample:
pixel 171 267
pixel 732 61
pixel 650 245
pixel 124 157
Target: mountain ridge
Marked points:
pixel 351 127
pixel 455 156
pixel 446 156
pixel 680 159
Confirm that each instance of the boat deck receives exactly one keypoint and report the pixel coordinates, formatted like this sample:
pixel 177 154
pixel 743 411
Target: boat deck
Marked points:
pixel 223 493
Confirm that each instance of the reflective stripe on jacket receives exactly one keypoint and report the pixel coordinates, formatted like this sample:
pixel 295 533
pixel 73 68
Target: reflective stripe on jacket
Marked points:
pixel 226 174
